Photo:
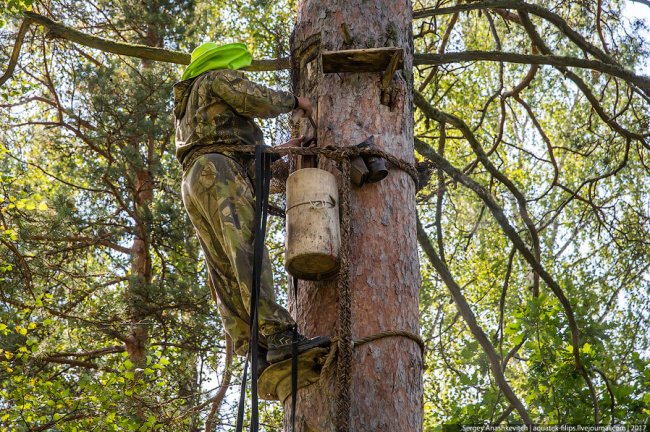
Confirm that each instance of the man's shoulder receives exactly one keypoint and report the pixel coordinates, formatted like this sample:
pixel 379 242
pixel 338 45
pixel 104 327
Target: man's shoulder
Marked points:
pixel 222 74
pixel 209 76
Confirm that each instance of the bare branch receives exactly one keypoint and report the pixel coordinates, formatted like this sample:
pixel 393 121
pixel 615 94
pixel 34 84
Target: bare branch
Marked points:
pixel 94 353
pixel 541 45
pixel 223 388
pixel 441 49
pixel 13 60
pixel 61 31
pixel 540 11
pixel 558 61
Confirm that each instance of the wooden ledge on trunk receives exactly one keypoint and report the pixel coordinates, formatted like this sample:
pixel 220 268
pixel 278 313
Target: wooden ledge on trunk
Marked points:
pixel 362 60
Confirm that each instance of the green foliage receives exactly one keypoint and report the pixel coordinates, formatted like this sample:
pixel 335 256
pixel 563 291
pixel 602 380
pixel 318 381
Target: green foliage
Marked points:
pixel 12 8
pixel 595 247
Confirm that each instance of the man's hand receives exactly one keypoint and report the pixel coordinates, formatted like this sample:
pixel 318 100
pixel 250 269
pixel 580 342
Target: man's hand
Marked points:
pixel 295 142
pixel 304 108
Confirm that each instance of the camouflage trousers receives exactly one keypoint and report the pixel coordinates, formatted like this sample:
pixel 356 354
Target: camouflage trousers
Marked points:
pixel 219 200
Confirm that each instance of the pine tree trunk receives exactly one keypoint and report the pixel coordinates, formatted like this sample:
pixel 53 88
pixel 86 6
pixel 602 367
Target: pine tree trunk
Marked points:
pixel 141 263
pixel 386 384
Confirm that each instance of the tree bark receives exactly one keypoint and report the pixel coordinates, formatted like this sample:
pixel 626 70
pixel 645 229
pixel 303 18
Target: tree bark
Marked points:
pixel 386 380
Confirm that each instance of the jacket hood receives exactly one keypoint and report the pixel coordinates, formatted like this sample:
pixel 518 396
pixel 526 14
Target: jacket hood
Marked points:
pixel 181 96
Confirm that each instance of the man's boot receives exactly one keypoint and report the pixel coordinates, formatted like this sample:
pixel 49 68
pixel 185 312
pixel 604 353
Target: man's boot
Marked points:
pixel 280 345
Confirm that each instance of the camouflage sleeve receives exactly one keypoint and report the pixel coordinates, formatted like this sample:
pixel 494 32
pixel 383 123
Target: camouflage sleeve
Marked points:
pixel 250 99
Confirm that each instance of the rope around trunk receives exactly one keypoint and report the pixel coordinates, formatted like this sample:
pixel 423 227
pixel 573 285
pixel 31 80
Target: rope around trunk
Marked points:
pixel 338 154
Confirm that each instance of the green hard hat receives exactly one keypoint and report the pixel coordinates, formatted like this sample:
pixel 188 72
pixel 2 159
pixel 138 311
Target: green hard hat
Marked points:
pixel 210 56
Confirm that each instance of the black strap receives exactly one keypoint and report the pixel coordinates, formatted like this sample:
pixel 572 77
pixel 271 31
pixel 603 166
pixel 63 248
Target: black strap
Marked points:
pixel 262 184
pixel 294 360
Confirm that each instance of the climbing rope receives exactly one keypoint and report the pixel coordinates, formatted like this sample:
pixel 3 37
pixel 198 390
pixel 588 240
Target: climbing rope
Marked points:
pixel 342 346
pixel 338 154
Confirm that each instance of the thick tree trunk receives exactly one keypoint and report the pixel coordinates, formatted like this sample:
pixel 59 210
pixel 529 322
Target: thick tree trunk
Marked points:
pixel 386 385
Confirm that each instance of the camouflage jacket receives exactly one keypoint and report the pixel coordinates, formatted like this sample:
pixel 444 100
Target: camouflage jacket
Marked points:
pixel 218 107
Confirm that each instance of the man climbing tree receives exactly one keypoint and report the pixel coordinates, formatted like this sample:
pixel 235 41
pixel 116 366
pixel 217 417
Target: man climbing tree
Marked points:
pixel 215 106
pixel 530 120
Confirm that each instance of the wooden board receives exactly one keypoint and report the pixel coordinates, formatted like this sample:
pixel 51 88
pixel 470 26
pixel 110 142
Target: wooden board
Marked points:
pixel 359 60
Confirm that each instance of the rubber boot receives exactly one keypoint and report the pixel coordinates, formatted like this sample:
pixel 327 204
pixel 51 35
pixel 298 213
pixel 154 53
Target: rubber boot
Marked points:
pixel 280 345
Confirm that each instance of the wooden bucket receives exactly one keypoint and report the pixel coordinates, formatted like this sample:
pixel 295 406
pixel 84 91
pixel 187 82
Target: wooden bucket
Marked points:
pixel 313 232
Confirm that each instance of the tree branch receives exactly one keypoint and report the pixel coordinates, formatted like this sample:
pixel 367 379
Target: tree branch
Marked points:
pixel 66 418
pixel 503 416
pixel 457 122
pixel 58 30
pixel 516 240
pixel 13 59
pixel 553 60
pixel 609 120
pixel 470 319
pixel 609 390
pixel 223 388
pixel 540 11
pixel 94 353
pixel 83 364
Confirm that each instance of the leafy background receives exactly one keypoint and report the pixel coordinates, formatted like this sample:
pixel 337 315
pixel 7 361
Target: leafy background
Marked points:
pixel 82 131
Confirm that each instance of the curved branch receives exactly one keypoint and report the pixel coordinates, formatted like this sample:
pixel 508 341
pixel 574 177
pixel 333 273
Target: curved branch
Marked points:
pixel 223 388
pixel 503 416
pixel 458 123
pixel 579 82
pixel 469 317
pixel 58 30
pixel 441 49
pixel 530 76
pixel 553 60
pixel 540 11
pixel 609 390
pixel 13 59
pixel 516 240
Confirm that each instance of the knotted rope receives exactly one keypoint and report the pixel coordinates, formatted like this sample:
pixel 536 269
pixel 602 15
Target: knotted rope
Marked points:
pixel 344 344
pixel 338 154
